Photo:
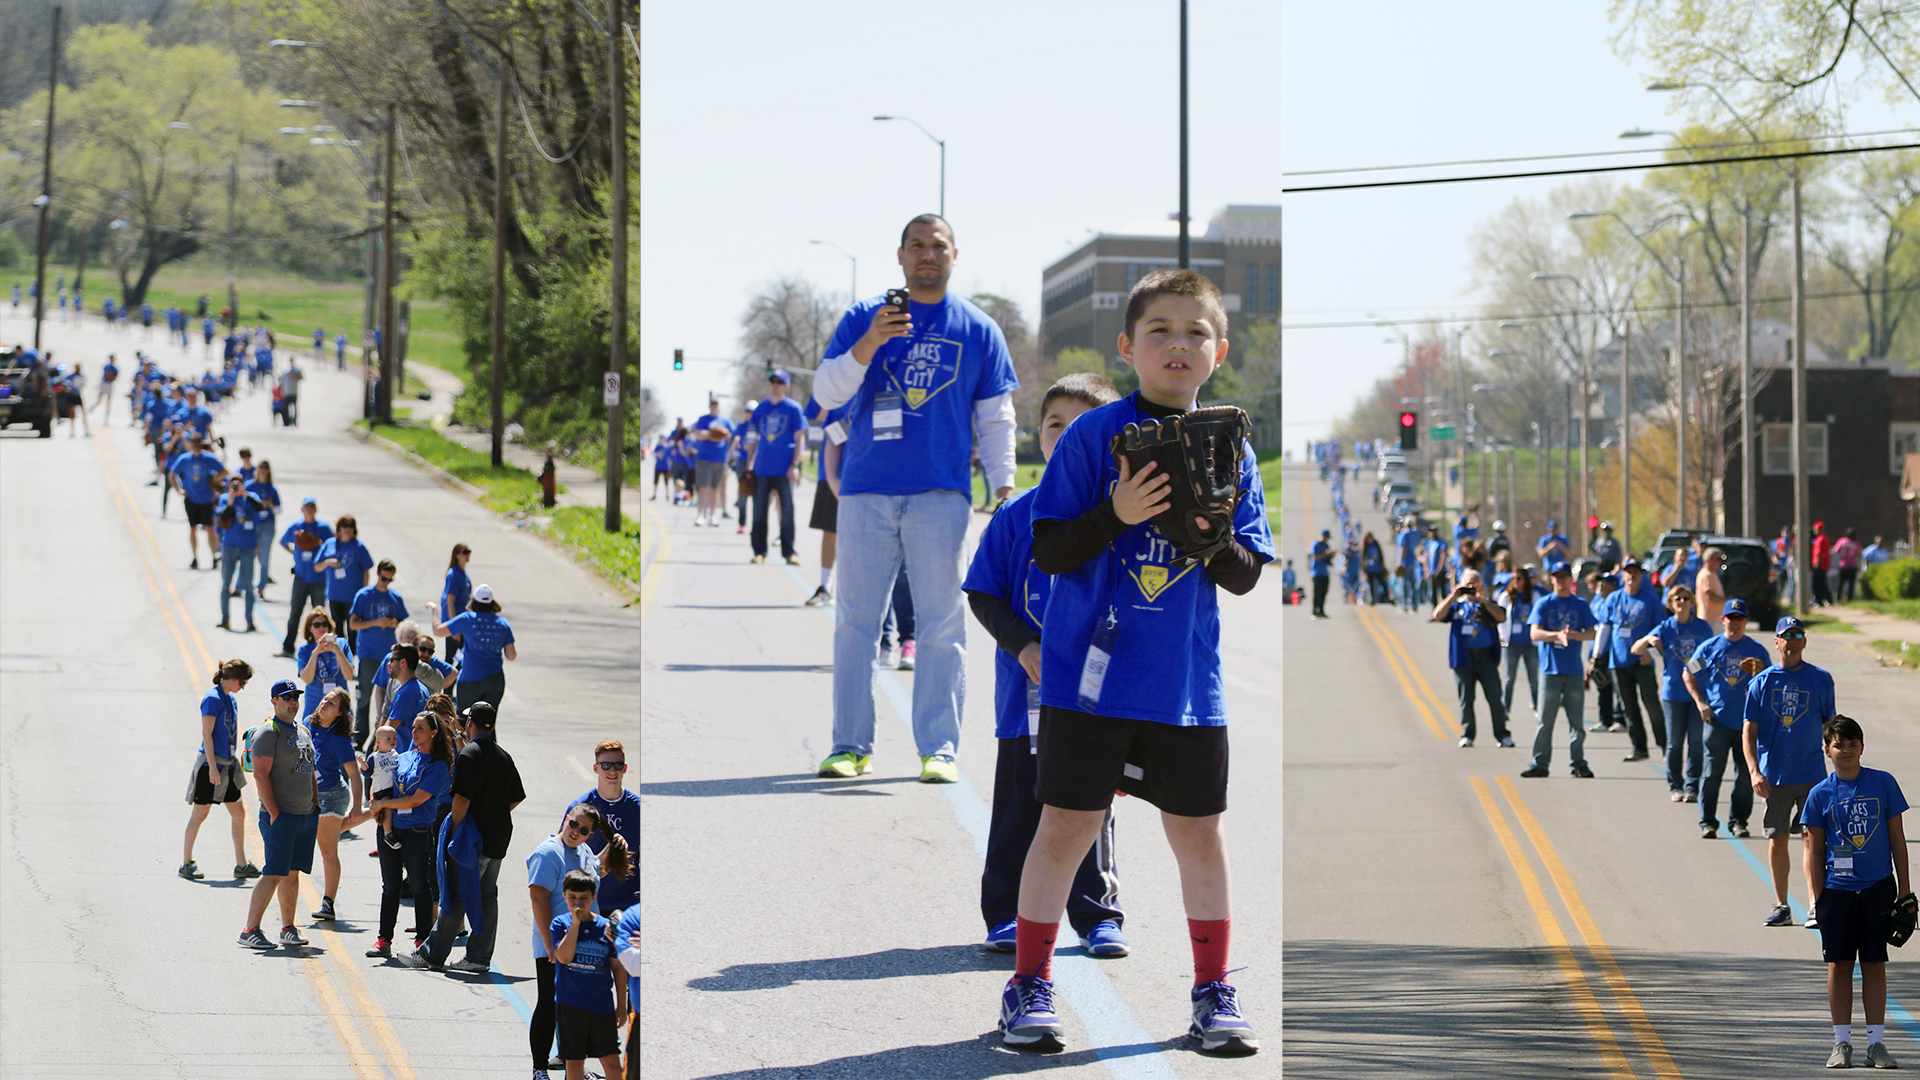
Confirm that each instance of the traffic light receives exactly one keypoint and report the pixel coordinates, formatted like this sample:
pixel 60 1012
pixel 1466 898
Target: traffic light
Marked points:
pixel 1409 431
pixel 1593 530
pixel 679 360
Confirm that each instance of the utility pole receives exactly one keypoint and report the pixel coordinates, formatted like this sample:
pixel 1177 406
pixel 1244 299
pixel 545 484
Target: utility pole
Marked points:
pixel 1747 527
pixel 46 181
pixel 1680 411
pixel 1566 470
pixel 389 336
pixel 233 263
pixel 1586 415
pixel 617 358
pixel 1626 435
pixel 1803 567
pixel 500 266
pixel 1186 242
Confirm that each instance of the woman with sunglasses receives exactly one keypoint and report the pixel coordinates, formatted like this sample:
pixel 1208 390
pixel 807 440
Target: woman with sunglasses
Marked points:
pixel 457 590
pixel 324 661
pixel 547 868
pixel 1518 595
pixel 621 808
pixel 216 768
pixel 424 776
pixel 1677 637
pixel 337 775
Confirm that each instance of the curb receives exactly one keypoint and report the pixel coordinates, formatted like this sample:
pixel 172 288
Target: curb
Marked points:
pixel 418 462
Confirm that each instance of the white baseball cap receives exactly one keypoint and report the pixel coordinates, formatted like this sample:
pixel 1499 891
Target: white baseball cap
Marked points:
pixel 483 593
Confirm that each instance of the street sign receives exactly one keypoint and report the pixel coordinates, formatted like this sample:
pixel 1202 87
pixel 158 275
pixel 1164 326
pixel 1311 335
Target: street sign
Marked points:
pixel 1440 432
pixel 611 396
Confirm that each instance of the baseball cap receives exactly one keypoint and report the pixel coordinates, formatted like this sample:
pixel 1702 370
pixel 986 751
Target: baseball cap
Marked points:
pixel 308 501
pixel 483 593
pixel 1630 563
pixel 480 714
pixel 778 375
pixel 1607 525
pixel 1786 623
pixel 1561 568
pixel 1552 524
pixel 1734 607
pixel 286 688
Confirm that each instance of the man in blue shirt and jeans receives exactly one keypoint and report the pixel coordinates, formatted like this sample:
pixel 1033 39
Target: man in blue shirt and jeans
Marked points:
pixel 1785 707
pixel 1473 651
pixel 1558 625
pixel 1631 614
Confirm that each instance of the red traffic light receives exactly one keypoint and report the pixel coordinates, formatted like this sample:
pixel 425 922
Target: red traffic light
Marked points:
pixel 1406 419
pixel 1593 522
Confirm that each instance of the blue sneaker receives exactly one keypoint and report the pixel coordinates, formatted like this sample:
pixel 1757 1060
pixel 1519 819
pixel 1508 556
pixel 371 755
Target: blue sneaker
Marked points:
pixel 1002 936
pixel 1027 1018
pixel 1106 940
pixel 1217 1022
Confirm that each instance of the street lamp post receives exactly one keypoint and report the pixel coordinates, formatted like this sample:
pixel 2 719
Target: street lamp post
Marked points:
pixel 943 156
pixel 45 201
pixel 1586 399
pixel 853 288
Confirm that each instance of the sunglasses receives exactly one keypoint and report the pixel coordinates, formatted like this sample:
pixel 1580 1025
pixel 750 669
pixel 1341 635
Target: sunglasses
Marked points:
pixel 386 577
pixel 295 696
pixel 583 830
pixel 611 766
pixel 1793 635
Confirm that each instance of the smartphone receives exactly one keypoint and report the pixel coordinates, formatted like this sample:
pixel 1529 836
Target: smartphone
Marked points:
pixel 898 298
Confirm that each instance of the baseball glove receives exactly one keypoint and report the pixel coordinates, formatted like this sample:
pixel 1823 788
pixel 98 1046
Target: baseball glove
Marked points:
pixel 1598 674
pixel 306 541
pixel 1753 665
pixel 1201 452
pixel 1901 920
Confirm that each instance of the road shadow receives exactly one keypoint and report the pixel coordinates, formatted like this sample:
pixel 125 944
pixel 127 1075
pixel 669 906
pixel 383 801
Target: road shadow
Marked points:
pixel 811 669
pixel 886 964
pixel 979 1058
pixel 790 784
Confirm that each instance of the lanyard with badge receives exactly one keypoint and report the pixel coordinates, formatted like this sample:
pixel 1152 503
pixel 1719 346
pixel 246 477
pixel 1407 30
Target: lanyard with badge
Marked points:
pixel 1105 640
pixel 889 414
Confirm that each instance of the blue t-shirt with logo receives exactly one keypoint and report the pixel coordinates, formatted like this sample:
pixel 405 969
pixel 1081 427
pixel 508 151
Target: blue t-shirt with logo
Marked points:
pixel 1633 615
pixel 623 815
pixel 199 417
pixel 1561 613
pixel 1855 814
pixel 371 603
pixel 1716 667
pixel 1556 557
pixel 586 981
pixel 629 925
pixel 955 356
pixel 419 772
pixel 1465 633
pixel 486 635
pixel 197 471
pixel 1679 641
pixel 1788 708
pixel 1003 567
pixel 331 752
pixel 326 673
pixel 245 530
pixel 343 581
pixel 1165 664
pixel 226 721
pixel 1519 611
pixel 303 560
pixel 779 424
pixel 705 449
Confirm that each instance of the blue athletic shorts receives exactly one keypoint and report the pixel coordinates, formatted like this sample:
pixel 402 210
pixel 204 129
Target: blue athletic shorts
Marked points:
pixel 289 843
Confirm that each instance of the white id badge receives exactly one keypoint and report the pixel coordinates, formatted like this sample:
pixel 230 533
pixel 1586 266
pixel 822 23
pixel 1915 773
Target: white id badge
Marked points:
pixel 837 432
pixel 1093 676
pixel 1033 717
pixel 1843 864
pixel 340 571
pixel 887 416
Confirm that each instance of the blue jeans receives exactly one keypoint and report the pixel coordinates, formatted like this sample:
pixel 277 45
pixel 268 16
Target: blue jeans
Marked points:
pixel 264 542
pixel 1515 656
pixel 453 915
pixel 878 533
pixel 236 561
pixel 1405 588
pixel 900 615
pixel 1559 692
pixel 1683 728
pixel 1723 742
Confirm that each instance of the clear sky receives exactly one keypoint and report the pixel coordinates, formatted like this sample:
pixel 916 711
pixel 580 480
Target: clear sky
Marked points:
pixel 1060 118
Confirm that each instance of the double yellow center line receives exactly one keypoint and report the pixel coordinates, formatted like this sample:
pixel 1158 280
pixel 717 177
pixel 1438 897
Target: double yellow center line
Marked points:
pixel 195 657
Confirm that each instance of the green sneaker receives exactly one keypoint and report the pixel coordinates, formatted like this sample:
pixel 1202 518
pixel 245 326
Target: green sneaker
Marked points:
pixel 939 769
pixel 246 870
pixel 847 765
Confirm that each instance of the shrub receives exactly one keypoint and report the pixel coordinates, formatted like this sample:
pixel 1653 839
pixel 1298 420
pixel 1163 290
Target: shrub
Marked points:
pixel 1896 580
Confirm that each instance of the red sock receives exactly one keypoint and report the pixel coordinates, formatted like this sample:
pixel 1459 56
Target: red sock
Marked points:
pixel 1210 940
pixel 1033 948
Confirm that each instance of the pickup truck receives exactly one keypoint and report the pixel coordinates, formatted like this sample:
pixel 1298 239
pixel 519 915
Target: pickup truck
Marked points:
pixel 25 397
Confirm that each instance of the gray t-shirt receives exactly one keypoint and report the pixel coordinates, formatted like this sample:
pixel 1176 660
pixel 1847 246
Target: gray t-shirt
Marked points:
pixel 291 748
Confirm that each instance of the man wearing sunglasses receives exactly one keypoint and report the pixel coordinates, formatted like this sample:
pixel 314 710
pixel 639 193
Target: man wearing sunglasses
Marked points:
pixel 283 759
pixel 621 808
pixel 1785 708
pixel 375 612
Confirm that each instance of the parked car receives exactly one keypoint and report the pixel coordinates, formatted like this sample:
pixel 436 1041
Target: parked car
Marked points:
pixel 25 397
pixel 1394 491
pixel 1671 543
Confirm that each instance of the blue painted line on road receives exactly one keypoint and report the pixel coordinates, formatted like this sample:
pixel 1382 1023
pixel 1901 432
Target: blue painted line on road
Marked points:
pixel 513 997
pixel 1118 1037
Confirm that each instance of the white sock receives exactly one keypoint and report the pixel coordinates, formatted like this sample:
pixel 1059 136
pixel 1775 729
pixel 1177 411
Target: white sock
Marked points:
pixel 1876 1033
pixel 826 576
pixel 1842 1033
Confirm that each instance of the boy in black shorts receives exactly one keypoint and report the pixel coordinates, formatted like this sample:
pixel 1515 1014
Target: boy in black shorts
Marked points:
pixel 1856 864
pixel 589 985
pixel 1130 688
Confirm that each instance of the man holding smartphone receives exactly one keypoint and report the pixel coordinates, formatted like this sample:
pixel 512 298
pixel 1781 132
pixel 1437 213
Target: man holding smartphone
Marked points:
pixel 1473 651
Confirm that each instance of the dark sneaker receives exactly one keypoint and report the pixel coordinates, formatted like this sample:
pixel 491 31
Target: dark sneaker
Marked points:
pixel 246 870
pixel 254 939
pixel 1534 772
pixel 1466 742
pixel 1506 741
pixel 1027 1018
pixel 1002 936
pixel 1637 755
pixel 191 871
pixel 1583 772
pixel 1709 832
pixel 1782 915
pixel 325 914
pixel 1106 940
pixel 1693 796
pixel 1740 830
pixel 291 938
pixel 470 967
pixel 820 596
pixel 1813 921
pixel 1217 1022
pixel 419 961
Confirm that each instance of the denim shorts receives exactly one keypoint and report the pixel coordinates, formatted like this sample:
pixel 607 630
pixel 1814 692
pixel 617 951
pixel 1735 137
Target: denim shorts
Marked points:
pixel 289 841
pixel 336 800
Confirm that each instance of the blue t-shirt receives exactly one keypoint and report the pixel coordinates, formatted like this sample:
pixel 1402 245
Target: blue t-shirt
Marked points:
pixel 1633 616
pixel 268 495
pixel 586 981
pixel 326 673
pixel 624 816
pixel 226 722
pixel 547 867
pixel 455 590
pixel 705 449
pixel 1716 667
pixel 955 356
pixel 1519 611
pixel 623 932
pixel 371 603
pixel 245 530
pixel 1003 567
pixel 1165 664
pixel 343 581
pixel 1320 559
pixel 486 635
pixel 1408 541
pixel 1855 814
pixel 1788 708
pixel 1556 557
pixel 331 752
pixel 407 702
pixel 1561 613
pixel 779 424
pixel 197 471
pixel 419 772
pixel 200 418
pixel 303 560
pixel 1461 532
pixel 1678 643
pixel 1465 632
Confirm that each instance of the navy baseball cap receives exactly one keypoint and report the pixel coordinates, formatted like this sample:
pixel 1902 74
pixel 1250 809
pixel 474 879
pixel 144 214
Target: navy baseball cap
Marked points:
pixel 1735 607
pixel 1629 563
pixel 286 688
pixel 1561 568
pixel 779 375
pixel 1552 524
pixel 1786 623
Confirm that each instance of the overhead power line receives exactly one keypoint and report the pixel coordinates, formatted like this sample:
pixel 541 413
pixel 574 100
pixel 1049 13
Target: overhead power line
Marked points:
pixel 1597 153
pixel 1529 316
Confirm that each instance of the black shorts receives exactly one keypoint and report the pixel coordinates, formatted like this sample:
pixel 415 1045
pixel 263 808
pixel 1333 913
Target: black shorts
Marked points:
pixel 585 1036
pixel 204 793
pixel 1084 759
pixel 1855 923
pixel 199 513
pixel 826 508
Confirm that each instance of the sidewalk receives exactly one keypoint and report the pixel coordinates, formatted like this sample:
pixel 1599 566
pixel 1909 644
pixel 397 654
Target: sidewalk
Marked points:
pixel 1875 626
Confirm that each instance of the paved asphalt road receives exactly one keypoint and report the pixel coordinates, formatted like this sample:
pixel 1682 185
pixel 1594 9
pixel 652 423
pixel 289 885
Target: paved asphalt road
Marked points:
pixel 1447 918
pixel 112 964
pixel 801 927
